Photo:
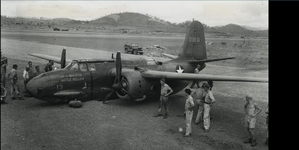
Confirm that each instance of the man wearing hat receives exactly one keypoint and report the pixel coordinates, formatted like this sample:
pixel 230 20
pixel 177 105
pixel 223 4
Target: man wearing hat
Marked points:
pixel 13 76
pixel 165 92
pixel 208 102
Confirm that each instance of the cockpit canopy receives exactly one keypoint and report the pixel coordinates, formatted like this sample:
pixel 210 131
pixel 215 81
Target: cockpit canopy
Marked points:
pixel 80 66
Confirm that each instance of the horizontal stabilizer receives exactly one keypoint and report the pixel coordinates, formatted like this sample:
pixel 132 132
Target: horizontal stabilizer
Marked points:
pixel 169 56
pixel 208 60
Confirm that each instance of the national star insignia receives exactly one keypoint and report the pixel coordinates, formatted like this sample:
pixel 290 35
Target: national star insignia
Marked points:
pixel 180 70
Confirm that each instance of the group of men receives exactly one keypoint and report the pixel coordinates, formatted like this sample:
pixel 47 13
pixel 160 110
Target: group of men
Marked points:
pixel 29 73
pixel 203 98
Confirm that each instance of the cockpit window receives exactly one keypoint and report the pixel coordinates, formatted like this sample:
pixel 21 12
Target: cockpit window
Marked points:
pixel 91 67
pixel 83 67
pixel 72 66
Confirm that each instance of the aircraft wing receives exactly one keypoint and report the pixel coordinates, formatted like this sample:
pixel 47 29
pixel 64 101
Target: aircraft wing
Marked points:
pixel 204 77
pixel 48 57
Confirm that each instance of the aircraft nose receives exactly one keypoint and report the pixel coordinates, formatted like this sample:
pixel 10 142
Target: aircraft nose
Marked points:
pixel 31 87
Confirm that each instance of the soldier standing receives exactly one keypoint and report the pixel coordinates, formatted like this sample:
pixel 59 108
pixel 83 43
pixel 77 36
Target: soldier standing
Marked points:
pixel 251 111
pixel 13 76
pixel 37 72
pixel 189 112
pixel 30 71
pixel 165 91
pixel 199 95
pixel 208 102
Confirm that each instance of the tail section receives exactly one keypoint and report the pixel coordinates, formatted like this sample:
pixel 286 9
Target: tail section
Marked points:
pixel 194 45
pixel 194 49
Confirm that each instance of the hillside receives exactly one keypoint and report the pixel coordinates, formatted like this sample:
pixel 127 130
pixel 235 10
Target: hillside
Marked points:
pixel 134 23
pixel 233 29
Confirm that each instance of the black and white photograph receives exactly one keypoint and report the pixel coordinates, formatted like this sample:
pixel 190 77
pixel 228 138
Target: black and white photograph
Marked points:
pixel 134 75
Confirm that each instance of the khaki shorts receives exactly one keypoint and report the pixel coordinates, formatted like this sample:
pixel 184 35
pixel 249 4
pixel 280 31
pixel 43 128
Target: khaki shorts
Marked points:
pixel 250 122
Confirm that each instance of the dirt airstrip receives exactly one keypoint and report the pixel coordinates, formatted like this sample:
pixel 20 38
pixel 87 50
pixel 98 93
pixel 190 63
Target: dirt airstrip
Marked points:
pixel 34 124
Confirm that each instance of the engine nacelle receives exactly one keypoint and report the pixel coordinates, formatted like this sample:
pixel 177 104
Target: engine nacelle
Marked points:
pixel 135 86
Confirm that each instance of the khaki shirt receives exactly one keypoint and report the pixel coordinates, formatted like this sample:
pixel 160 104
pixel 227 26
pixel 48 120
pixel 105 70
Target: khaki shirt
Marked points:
pixel 250 108
pixel 164 89
pixel 31 72
pixel 189 103
pixel 199 93
pixel 209 97
pixel 13 76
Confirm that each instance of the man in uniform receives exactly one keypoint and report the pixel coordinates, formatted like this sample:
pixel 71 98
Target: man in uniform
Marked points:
pixel 13 76
pixel 189 112
pixel 37 72
pixel 30 71
pixel 49 66
pixel 196 71
pixel 165 92
pixel 199 95
pixel 251 110
pixel 208 102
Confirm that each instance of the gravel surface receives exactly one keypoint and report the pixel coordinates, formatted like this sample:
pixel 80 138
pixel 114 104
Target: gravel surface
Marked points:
pixel 32 124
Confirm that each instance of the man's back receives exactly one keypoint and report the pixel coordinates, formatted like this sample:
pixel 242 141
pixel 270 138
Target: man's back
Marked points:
pixel 199 93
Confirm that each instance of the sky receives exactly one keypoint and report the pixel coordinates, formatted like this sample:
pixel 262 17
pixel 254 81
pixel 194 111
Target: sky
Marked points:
pixel 212 13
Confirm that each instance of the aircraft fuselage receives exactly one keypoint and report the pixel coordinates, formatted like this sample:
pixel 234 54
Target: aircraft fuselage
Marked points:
pixel 89 79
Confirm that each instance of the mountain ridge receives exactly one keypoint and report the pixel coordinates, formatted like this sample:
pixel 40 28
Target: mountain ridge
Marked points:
pixel 128 21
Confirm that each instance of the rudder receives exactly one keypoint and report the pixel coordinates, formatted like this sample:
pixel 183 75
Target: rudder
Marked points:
pixel 194 45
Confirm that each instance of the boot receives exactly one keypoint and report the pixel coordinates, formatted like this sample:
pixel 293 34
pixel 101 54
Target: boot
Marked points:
pixel 248 141
pixel 253 143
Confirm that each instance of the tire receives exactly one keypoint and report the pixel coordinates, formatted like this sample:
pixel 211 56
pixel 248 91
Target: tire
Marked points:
pixel 126 50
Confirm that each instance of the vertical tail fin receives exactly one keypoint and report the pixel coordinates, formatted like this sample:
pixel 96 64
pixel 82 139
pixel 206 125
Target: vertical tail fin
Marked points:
pixel 194 45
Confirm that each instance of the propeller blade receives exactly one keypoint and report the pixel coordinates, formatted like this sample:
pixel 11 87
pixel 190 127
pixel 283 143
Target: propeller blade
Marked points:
pixel 63 58
pixel 123 90
pixel 108 96
pixel 118 66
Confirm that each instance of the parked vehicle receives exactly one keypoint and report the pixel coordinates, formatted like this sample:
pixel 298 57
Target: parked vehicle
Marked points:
pixel 133 48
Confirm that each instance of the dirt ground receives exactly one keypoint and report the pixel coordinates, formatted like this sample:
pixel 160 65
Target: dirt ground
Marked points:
pixel 34 124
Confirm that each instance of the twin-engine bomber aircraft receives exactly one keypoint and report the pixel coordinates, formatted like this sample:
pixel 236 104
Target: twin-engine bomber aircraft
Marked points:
pixel 112 78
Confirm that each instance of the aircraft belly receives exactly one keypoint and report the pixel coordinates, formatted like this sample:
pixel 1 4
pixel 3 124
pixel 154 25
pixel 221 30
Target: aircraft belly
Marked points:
pixel 177 85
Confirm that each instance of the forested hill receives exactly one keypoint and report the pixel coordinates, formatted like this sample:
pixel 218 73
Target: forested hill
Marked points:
pixel 122 22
